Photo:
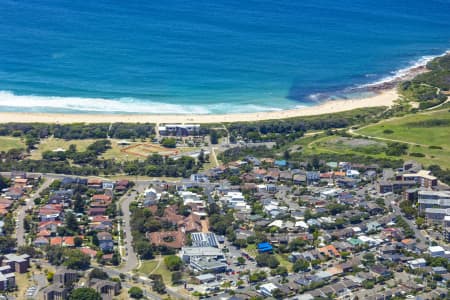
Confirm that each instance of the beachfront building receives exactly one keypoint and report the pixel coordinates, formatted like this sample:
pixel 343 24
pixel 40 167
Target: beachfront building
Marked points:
pixel 179 129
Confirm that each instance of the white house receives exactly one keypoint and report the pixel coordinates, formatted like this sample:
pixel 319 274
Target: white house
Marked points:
pixel 190 197
pixel 352 173
pixel 436 251
pixel 236 200
pixel 267 289
pixel 417 263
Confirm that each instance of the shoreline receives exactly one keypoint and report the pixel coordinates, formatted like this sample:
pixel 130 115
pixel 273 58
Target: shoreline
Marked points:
pixel 385 97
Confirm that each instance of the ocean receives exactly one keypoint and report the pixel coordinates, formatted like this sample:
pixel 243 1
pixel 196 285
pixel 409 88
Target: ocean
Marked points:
pixel 204 57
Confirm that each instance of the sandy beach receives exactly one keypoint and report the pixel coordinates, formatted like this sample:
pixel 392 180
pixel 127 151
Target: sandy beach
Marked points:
pixel 382 98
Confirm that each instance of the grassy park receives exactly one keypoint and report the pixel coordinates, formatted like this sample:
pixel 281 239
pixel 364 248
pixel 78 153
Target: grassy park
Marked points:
pixel 431 129
pixel 427 135
pixel 8 143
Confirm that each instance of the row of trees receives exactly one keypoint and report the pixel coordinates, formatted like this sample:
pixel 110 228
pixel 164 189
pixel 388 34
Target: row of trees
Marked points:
pixel 78 130
pixel 272 129
pixel 88 163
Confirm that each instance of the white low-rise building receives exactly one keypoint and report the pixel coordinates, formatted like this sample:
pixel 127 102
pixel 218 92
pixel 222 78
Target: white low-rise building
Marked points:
pixel 436 251
pixel 417 263
pixel 190 197
pixel 236 201
pixel 267 289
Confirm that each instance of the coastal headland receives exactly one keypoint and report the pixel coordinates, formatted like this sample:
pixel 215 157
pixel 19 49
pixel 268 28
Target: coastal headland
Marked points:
pixel 381 98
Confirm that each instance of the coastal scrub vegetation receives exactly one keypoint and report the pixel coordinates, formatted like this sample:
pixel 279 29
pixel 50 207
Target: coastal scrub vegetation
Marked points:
pixel 287 130
pixel 429 88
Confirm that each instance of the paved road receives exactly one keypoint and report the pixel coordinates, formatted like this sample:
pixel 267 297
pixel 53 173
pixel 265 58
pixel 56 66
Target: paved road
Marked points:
pixel 21 213
pixel 389 201
pixel 131 259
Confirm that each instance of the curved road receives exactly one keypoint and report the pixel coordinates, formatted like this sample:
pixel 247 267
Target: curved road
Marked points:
pixel 131 259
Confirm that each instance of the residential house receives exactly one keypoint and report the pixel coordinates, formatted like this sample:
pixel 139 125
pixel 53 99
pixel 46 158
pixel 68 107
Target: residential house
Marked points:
pixel 51 212
pixel 97 211
pixel 94 183
pixel 41 242
pixel 105 241
pixel 329 251
pixel 299 179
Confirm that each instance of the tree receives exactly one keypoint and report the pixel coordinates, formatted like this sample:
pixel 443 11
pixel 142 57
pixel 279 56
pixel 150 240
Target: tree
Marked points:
pixel 77 260
pixel 420 222
pixel 241 260
pixel 368 284
pixel 240 243
pixel 267 260
pixel 257 276
pixel 78 241
pixel 201 156
pixel 169 142
pixel 144 249
pixel 176 277
pixel 7 244
pixel 3 182
pixel 278 294
pixel 214 137
pixel 78 205
pixel 135 292
pixel 115 260
pixel 173 262
pixel 286 155
pixel 28 249
pixel 300 265
pixel 99 274
pixel 368 259
pixel 159 286
pixel 283 271
pixel 71 222
pixel 85 294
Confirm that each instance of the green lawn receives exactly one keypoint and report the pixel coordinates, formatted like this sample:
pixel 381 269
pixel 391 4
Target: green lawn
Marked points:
pixel 251 250
pixel 339 145
pixel 284 262
pixel 406 129
pixel 53 143
pixel 413 129
pixel 50 144
pixel 148 266
pixel 8 143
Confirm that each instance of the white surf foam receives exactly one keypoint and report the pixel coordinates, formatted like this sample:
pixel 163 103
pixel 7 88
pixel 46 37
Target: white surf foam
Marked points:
pixel 11 101
pixel 404 72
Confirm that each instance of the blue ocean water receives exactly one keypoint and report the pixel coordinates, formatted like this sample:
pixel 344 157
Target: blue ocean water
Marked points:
pixel 179 56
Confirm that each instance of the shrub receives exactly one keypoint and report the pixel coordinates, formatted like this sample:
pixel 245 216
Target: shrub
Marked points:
pixel 416 154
